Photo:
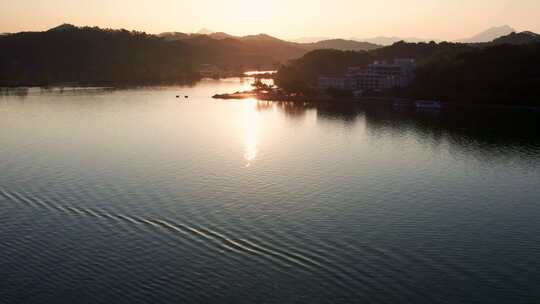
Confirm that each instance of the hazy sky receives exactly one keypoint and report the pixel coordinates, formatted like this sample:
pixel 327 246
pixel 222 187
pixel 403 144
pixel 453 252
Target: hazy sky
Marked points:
pixel 445 19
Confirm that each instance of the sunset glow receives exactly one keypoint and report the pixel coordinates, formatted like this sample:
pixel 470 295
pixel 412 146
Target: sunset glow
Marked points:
pixel 444 19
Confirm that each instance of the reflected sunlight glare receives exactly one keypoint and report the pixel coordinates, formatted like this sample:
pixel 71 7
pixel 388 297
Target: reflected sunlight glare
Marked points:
pixel 251 131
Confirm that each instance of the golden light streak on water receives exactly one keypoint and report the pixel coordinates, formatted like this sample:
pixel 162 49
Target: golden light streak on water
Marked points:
pixel 251 131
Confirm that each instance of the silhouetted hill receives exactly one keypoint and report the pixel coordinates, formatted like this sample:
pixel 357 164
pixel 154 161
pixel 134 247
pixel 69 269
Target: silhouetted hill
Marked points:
pixel 279 49
pixel 63 27
pixel 518 38
pixel 91 55
pixel 221 35
pixel 506 74
pixel 273 50
pixel 386 41
pixel 68 53
pixel 302 48
pixel 489 34
pixel 485 36
pixel 171 36
pixel 341 44
pixel 526 37
pixel 302 74
pixel 452 72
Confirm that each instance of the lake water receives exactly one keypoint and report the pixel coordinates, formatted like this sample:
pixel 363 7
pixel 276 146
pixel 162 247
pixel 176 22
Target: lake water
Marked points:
pixel 136 196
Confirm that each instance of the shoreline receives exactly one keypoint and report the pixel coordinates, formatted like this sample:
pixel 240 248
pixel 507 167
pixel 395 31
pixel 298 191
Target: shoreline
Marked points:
pixel 371 101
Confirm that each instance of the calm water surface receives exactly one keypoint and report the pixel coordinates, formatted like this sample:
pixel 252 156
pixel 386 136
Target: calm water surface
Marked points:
pixel 135 196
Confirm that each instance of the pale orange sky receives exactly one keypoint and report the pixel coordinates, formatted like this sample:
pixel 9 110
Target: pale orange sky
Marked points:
pixel 443 19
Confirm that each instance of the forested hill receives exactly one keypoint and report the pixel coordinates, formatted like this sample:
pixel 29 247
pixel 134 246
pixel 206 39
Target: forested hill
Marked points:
pixel 500 73
pixel 286 49
pixel 91 55
pixel 302 73
pixel 70 54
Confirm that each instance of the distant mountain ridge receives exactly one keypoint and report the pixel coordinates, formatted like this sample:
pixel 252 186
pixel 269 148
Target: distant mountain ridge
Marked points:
pixel 482 37
pixel 489 34
pixel 352 44
pixel 342 44
pixel 311 39
pixel 286 49
pixel 485 36
pixel 383 40
pixel 69 53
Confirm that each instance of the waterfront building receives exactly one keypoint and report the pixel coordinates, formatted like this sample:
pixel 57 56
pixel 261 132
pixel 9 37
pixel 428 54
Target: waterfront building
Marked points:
pixel 377 76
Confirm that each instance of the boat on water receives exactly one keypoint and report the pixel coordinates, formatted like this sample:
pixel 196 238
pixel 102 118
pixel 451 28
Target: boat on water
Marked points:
pixel 428 104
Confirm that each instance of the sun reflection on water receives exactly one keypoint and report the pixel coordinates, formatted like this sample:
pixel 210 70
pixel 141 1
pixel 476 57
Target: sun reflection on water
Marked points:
pixel 251 131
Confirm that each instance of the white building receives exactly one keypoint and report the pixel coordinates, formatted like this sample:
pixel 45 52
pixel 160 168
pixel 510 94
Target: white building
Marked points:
pixel 376 76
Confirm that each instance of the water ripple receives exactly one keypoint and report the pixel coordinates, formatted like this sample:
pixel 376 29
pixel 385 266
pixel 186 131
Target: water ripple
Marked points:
pixel 211 239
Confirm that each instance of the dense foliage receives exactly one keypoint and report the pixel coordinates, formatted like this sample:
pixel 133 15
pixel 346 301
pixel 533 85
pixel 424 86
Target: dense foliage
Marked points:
pixel 302 74
pixel 91 55
pixel 507 74
pixel 451 72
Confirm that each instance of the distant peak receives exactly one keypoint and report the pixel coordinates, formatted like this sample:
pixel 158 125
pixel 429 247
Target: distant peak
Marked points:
pixel 490 34
pixel 63 27
pixel 261 37
pixel 525 37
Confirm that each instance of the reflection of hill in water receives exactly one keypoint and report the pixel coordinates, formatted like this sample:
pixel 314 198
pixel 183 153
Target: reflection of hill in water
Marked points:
pixel 347 113
pixel 485 134
pixel 291 110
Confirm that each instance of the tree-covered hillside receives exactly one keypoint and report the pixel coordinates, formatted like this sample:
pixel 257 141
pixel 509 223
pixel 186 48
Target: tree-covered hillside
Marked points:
pixel 69 54
pixel 452 72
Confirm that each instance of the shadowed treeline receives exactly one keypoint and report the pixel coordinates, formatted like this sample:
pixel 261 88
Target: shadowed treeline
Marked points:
pixel 90 55
pixel 505 73
pixel 302 74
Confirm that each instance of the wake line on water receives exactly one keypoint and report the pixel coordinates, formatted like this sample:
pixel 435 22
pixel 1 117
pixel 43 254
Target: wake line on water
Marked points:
pixel 354 281
pixel 213 240
pixel 240 246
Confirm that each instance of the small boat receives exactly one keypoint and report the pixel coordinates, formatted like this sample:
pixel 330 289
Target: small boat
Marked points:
pixel 428 104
